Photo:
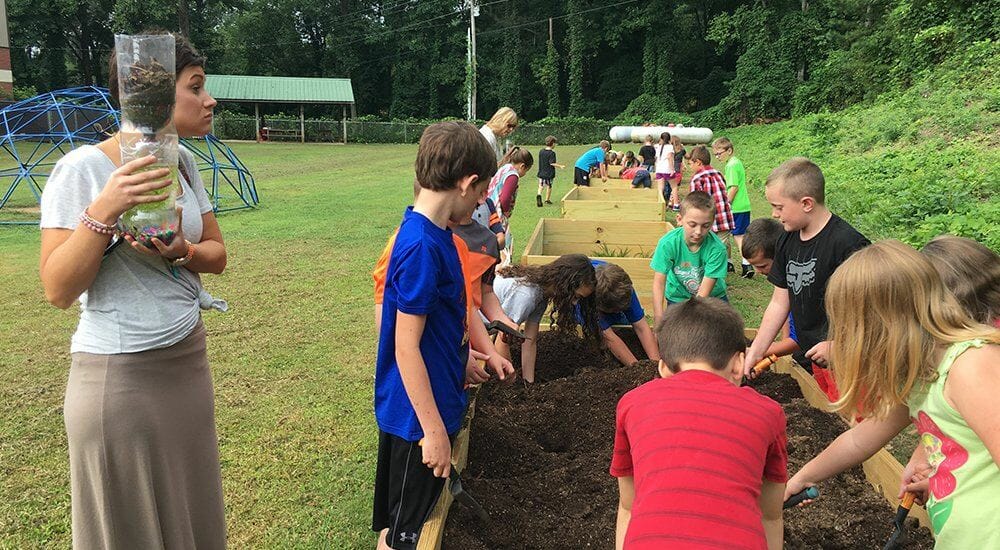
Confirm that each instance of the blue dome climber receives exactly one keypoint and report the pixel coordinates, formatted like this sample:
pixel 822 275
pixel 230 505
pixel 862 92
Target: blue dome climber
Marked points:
pixel 35 133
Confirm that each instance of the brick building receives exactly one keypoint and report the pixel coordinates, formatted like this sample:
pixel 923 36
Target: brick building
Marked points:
pixel 6 77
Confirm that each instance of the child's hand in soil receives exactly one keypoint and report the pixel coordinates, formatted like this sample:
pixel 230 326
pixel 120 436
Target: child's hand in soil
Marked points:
pixel 501 366
pixel 437 453
pixel 473 373
pixel 795 486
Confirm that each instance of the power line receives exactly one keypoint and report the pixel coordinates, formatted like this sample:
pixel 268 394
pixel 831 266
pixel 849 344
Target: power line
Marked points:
pixel 369 62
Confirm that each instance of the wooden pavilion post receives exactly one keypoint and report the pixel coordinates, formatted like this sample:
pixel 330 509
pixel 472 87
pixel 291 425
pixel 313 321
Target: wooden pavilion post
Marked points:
pixel 343 121
pixel 256 116
pixel 302 121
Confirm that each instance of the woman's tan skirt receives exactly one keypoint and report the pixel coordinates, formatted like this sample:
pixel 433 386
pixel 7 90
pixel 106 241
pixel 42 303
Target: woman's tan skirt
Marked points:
pixel 143 454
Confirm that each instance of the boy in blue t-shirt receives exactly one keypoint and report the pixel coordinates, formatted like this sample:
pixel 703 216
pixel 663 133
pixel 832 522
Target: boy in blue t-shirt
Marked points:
pixel 419 397
pixel 691 259
pixel 618 304
pixel 591 159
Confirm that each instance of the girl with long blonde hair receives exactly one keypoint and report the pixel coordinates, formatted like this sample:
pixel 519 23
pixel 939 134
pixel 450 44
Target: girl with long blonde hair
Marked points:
pixel 905 350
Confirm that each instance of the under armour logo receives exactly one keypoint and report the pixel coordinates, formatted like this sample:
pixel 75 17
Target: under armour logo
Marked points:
pixel 408 537
pixel 801 275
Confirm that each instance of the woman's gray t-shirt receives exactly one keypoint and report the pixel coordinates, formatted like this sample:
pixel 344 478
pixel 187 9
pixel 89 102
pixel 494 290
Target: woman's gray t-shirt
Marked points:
pixel 491 138
pixel 136 302
pixel 522 302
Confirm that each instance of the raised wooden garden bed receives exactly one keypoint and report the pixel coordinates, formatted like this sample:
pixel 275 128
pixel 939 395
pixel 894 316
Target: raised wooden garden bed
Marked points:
pixel 629 244
pixel 605 203
pixel 537 461
pixel 612 183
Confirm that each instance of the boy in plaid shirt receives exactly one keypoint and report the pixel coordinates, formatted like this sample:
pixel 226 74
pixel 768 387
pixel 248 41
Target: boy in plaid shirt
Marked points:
pixel 710 180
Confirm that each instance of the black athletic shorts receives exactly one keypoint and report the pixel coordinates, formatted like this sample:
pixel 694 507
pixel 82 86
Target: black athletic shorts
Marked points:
pixel 581 176
pixel 405 491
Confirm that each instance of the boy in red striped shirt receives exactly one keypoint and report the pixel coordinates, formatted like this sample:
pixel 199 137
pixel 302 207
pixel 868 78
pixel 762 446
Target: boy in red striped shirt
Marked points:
pixel 711 181
pixel 700 461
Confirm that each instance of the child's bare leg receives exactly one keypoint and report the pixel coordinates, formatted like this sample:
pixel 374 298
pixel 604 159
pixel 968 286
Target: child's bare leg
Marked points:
pixel 739 250
pixel 548 193
pixel 674 193
pixel 382 544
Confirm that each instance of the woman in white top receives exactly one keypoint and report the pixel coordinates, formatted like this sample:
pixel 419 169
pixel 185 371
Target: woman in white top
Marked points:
pixel 501 126
pixel 139 406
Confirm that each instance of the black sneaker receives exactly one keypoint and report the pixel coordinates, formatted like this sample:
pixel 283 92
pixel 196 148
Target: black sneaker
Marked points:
pixel 538 200
pixel 748 272
pixel 548 201
pixel 730 267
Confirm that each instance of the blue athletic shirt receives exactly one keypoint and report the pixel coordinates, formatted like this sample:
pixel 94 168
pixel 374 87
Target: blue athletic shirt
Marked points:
pixel 424 278
pixel 633 314
pixel 592 157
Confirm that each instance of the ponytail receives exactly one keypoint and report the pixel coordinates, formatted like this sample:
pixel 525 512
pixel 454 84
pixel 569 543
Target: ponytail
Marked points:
pixel 518 155
pixel 665 140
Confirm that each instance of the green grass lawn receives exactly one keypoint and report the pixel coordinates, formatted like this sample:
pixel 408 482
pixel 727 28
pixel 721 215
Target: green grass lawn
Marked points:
pixel 293 359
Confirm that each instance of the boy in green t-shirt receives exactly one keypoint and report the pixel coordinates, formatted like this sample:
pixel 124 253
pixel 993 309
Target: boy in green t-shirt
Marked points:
pixel 736 185
pixel 690 260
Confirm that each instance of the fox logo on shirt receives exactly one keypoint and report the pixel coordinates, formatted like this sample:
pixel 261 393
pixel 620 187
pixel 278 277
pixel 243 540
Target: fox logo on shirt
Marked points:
pixel 800 275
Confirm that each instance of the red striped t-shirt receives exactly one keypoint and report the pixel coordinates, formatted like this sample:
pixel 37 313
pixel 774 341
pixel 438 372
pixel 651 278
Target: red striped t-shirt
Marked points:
pixel 698 448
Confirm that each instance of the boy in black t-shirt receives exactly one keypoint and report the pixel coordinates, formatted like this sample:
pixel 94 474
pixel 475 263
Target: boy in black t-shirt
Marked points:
pixel 816 242
pixel 647 154
pixel 547 170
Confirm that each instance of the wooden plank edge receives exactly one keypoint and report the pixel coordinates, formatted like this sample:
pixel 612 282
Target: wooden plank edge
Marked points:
pixel 432 532
pixel 535 240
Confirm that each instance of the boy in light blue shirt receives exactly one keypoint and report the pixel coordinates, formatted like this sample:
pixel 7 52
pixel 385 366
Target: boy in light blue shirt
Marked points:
pixel 591 159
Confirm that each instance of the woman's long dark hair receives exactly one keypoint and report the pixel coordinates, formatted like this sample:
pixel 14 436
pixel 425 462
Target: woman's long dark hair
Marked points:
pixel 559 282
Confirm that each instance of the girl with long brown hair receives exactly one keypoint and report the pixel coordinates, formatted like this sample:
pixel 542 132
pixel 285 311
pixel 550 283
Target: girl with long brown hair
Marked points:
pixel 526 291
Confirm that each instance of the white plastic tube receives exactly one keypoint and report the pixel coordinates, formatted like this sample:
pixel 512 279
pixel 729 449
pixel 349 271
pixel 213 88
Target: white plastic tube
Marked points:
pixel 638 134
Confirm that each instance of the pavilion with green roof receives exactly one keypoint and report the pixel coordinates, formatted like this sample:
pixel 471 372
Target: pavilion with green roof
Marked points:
pixel 284 89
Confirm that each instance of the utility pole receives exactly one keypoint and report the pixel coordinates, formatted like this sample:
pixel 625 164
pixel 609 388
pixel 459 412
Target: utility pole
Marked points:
pixel 550 29
pixel 473 12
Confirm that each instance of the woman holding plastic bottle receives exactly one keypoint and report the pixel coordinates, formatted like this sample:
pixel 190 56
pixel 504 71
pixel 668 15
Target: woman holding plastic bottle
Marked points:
pixel 139 406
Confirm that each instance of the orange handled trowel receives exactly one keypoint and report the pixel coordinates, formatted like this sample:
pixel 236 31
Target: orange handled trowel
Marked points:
pixel 899 533
pixel 761 366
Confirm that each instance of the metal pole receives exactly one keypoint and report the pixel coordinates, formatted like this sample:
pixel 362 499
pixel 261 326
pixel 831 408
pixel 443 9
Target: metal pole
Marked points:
pixel 302 121
pixel 256 117
pixel 473 11
pixel 343 120
pixel 468 61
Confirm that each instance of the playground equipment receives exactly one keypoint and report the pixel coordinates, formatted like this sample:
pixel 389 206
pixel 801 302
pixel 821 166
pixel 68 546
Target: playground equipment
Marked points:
pixel 36 132
pixel 638 134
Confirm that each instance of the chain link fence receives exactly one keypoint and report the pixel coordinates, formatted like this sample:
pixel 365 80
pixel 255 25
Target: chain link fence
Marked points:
pixel 362 131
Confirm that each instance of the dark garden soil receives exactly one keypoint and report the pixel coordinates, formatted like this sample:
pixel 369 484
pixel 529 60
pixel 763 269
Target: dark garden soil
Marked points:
pixel 539 458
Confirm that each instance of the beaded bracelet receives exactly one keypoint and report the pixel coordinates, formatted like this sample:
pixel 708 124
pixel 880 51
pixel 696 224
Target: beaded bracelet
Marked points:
pixel 183 260
pixel 96 226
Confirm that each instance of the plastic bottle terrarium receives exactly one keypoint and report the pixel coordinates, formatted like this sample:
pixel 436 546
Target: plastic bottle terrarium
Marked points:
pixel 146 83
